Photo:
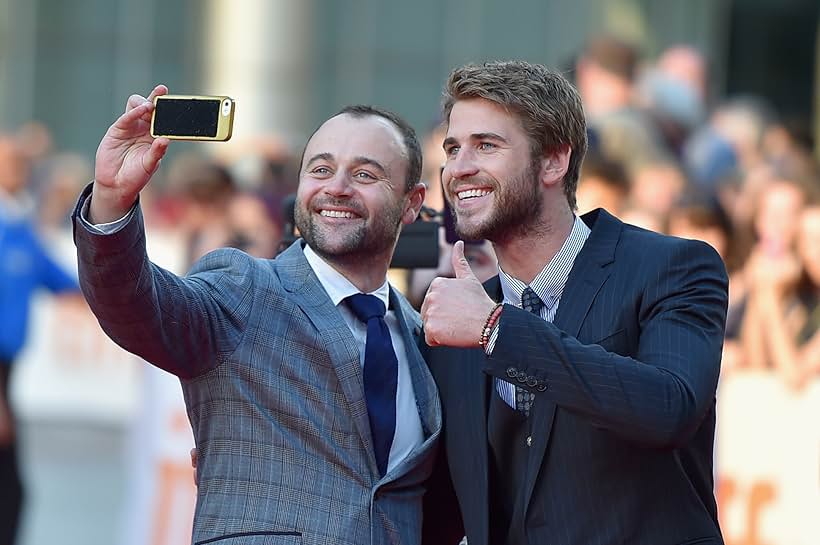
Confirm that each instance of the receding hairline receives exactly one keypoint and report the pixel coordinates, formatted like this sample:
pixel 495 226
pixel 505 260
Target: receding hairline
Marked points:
pixel 396 132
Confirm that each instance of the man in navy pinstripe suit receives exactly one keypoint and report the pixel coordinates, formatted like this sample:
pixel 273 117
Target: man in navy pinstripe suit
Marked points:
pixel 578 386
pixel 274 356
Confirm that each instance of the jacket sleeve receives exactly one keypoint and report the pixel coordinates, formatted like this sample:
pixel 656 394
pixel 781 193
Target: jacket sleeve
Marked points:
pixel 184 325
pixel 659 394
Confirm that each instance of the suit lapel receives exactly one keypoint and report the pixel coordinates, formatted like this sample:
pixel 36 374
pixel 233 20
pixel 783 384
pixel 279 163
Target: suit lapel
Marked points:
pixel 424 388
pixel 298 278
pixel 589 272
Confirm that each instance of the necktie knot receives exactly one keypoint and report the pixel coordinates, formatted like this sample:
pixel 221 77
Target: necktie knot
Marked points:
pixel 365 306
pixel 530 301
pixel 380 375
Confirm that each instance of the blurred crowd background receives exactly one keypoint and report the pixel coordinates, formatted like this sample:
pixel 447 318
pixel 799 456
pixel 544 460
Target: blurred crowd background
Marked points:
pixel 704 121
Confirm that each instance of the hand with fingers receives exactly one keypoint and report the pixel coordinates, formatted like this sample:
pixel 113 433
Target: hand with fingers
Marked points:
pixel 127 157
pixel 455 309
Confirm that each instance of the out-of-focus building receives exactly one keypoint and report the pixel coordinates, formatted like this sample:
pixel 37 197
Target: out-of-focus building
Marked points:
pixel 290 64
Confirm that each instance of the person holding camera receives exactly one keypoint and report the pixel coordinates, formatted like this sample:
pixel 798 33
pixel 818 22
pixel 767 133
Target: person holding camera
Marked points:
pixel 578 386
pixel 315 418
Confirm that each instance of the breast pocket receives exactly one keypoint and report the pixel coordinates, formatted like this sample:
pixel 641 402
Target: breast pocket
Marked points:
pixel 256 538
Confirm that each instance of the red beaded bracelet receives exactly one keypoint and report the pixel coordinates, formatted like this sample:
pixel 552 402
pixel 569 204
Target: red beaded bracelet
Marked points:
pixel 489 324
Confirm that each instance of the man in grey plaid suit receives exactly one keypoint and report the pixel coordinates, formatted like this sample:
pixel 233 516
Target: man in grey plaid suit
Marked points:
pixel 269 352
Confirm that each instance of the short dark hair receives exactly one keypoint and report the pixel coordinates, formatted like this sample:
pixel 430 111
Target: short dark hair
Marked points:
pixel 411 142
pixel 545 102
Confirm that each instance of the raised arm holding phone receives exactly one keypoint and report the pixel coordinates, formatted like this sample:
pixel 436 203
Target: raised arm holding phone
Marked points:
pixel 314 416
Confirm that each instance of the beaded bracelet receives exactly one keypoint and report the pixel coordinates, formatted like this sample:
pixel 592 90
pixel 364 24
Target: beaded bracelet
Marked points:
pixel 489 324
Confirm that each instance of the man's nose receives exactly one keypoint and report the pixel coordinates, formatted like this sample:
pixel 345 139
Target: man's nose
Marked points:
pixel 462 165
pixel 340 185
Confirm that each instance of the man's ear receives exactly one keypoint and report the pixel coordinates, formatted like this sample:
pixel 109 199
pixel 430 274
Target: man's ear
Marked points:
pixel 554 166
pixel 415 198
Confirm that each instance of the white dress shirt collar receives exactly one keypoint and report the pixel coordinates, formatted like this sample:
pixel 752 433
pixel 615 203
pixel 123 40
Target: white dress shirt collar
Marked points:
pixel 549 283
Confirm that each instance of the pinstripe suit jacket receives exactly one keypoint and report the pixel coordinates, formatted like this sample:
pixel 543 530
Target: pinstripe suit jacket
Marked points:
pixel 624 416
pixel 273 387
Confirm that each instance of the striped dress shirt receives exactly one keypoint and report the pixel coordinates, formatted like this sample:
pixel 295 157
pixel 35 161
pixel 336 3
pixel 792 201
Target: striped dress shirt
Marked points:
pixel 548 285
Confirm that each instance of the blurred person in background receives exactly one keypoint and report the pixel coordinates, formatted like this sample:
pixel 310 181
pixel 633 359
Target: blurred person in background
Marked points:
pixel 787 301
pixel 673 92
pixel 25 266
pixel 743 121
pixel 709 161
pixel 789 147
pixel 267 168
pixel 603 184
pixel 251 228
pixel 314 416
pixel 645 219
pixel 606 75
pixel 776 223
pixel 205 188
pixel 672 107
pixel 725 156
pixel 656 186
pixel 699 216
pixel 37 145
pixel 686 65
pixel 777 215
pixel 433 159
pixel 578 387
pixel 64 175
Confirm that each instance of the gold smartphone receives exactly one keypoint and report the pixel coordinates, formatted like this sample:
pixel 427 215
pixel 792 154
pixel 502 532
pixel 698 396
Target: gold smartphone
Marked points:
pixel 192 117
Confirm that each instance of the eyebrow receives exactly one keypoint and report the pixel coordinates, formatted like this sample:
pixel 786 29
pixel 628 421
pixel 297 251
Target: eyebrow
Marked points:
pixel 476 136
pixel 360 160
pixel 319 157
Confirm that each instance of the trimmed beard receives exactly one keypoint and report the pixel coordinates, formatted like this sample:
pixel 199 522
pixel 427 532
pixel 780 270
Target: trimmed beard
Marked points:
pixel 375 235
pixel 517 209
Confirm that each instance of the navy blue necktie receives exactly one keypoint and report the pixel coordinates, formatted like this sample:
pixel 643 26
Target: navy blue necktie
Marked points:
pixel 381 370
pixel 531 303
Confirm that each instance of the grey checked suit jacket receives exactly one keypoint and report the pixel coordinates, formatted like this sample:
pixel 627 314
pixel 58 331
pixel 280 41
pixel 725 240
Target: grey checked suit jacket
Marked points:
pixel 273 387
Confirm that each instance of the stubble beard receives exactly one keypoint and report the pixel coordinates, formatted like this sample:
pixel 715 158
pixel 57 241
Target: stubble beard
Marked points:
pixel 516 210
pixel 373 236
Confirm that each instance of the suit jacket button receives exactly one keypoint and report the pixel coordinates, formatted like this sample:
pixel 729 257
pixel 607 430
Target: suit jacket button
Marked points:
pixel 521 377
pixel 532 381
pixel 542 387
pixel 529 440
pixel 511 371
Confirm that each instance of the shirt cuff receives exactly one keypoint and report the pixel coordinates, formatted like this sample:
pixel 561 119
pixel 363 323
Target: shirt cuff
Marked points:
pixel 493 338
pixel 104 228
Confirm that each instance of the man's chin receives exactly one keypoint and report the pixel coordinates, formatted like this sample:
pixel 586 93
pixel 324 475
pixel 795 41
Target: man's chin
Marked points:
pixel 335 250
pixel 471 230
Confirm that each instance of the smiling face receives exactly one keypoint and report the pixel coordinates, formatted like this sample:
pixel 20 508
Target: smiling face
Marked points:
pixel 352 196
pixel 491 180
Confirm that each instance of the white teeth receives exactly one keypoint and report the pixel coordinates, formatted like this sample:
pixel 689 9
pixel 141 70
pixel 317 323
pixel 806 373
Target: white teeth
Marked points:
pixel 336 214
pixel 470 193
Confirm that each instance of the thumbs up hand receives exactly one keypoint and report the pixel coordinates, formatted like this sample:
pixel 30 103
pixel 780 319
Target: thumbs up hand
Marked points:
pixel 455 309
pixel 460 264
